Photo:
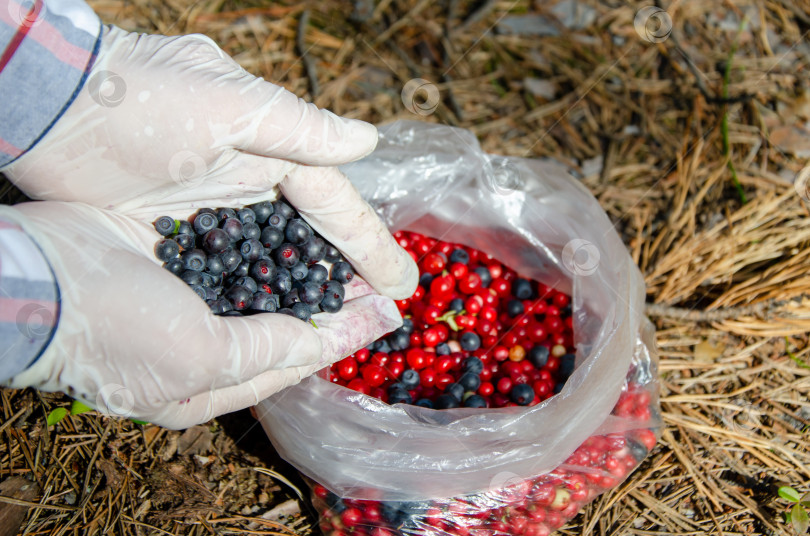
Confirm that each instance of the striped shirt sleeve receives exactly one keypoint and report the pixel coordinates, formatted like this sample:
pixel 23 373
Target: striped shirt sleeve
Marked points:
pixel 29 301
pixel 46 51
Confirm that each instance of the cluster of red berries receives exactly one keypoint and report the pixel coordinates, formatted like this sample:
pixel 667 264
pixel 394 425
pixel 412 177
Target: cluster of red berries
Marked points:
pixel 532 507
pixel 475 334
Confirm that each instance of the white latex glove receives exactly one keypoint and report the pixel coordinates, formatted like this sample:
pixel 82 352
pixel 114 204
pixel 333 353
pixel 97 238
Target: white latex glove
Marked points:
pixel 134 341
pixel 165 125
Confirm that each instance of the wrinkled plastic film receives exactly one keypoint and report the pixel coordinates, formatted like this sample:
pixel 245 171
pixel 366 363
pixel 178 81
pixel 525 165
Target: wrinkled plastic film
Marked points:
pixel 535 219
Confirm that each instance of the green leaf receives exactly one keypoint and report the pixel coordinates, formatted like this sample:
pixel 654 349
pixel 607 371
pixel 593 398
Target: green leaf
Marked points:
pixel 314 325
pixel 799 519
pixel 805 500
pixel 789 494
pixel 139 422
pixel 77 408
pixel 176 226
pixel 56 415
pixel 452 323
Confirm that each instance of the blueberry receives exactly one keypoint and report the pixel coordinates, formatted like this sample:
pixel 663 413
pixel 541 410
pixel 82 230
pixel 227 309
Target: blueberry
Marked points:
pixel 332 254
pixel 198 290
pixel 334 288
pixel 251 230
pixel 470 381
pixel 225 213
pixel 277 221
pixel 193 259
pixel 522 394
pixel 459 255
pixel 538 356
pixel 185 241
pixel 246 215
pixel 216 241
pixel 204 222
pixel 184 227
pixel 251 250
pixel 233 228
pixel 399 396
pixel 192 277
pixel 443 349
pixel 220 306
pixel 175 266
pixel 331 303
pixel 311 293
pixel 410 379
pixel 558 387
pixel 280 207
pixel 231 259
pixel 297 231
pixel 522 289
pixel 317 274
pixel 456 390
pixel 313 250
pixel 637 449
pixel 567 363
pixel 514 308
pixel 299 271
pixel 456 304
pixel 232 313
pixel 291 298
pixel 240 297
pixel 475 401
pixel 264 302
pixel 167 249
pixel 472 364
pixel 446 402
pixel 425 403
pixel 287 255
pixel 282 283
pixel 214 265
pixel 242 270
pixel 425 280
pixel 248 283
pixel 263 270
pixel 486 276
pixel 301 311
pixel 383 346
pixel 262 211
pixel 565 312
pixel 470 341
pixel 271 237
pixel 399 340
pixel 208 280
pixel 407 325
pixel 165 225
pixel 342 272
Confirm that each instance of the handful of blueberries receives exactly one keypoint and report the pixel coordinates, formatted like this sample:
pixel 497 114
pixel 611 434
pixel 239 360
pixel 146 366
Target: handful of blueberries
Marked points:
pixel 261 258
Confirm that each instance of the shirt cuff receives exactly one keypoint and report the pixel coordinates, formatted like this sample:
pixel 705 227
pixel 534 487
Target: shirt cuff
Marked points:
pixel 29 301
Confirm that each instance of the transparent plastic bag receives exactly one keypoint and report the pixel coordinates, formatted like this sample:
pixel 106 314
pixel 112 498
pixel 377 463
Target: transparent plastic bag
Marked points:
pixel 486 464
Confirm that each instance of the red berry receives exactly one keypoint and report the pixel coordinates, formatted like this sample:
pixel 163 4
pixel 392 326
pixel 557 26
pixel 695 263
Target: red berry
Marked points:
pixel 416 358
pixel 442 285
pixel 504 385
pixel 374 375
pixel 347 368
pixel 351 517
pixel 469 283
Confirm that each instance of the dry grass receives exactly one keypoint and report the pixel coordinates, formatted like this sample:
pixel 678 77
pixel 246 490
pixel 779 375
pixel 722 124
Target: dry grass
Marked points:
pixel 642 123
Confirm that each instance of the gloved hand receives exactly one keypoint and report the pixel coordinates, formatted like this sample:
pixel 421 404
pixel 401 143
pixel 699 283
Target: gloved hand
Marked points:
pixel 133 340
pixel 165 125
